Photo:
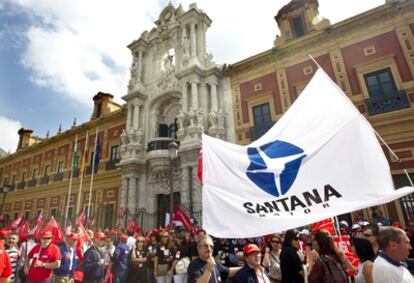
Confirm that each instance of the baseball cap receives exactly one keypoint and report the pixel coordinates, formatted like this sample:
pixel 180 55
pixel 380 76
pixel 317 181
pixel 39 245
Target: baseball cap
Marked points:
pixel 250 248
pixel 123 238
pixel 99 235
pixel 304 232
pixel 46 234
pixel 356 226
pixel 73 236
pixel 343 222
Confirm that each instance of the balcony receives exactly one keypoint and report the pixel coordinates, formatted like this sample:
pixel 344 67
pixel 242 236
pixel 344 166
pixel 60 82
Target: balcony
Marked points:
pixel 160 143
pixel 259 130
pixel 387 103
pixel 88 170
pixel 44 180
pixel 32 183
pixel 58 177
pixel 111 164
pixel 21 185
pixel 75 173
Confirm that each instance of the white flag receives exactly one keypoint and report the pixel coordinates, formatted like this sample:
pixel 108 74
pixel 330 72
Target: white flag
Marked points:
pixel 321 159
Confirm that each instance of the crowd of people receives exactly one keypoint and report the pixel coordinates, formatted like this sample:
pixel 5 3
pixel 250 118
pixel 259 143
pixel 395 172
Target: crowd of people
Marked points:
pixel 382 254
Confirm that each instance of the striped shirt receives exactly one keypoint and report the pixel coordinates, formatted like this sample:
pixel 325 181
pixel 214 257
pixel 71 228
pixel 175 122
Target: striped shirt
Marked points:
pixel 14 255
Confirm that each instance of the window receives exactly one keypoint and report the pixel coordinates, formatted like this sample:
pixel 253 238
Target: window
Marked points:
pixel 27 215
pixel 261 115
pixel 91 159
pixel 380 83
pixel 53 212
pixel 114 152
pixel 298 26
pixel 173 130
pixel 34 173
pixel 70 212
pixel 61 166
pixel 5 181
pixel 23 177
pixel 13 180
pixel 47 170
pixel 163 130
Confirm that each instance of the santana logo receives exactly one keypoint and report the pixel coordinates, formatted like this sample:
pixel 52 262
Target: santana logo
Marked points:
pixel 274 166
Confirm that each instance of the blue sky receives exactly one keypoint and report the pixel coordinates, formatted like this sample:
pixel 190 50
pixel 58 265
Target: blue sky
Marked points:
pixel 56 55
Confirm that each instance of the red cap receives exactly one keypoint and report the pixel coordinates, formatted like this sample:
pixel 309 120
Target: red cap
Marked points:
pixel 250 248
pixel 3 233
pixel 99 235
pixel 112 232
pixel 123 238
pixel 73 236
pixel 46 234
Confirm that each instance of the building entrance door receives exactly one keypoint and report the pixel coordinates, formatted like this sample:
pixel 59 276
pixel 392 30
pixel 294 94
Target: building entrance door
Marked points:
pixel 163 207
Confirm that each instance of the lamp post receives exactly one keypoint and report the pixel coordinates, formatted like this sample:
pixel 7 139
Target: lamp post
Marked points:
pixel 5 190
pixel 172 153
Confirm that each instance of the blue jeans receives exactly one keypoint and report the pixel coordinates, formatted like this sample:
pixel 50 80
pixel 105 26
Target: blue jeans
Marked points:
pixel 120 276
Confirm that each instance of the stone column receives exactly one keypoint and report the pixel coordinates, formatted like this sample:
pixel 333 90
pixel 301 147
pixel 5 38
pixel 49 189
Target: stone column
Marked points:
pixel 132 196
pixel 194 95
pixel 193 40
pixel 135 124
pixel 124 197
pixel 184 186
pixel 214 99
pixel 204 97
pixel 139 75
pixel 184 100
pixel 129 117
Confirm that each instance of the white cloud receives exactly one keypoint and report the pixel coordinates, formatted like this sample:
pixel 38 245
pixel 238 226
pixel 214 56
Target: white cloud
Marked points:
pixel 9 137
pixel 79 47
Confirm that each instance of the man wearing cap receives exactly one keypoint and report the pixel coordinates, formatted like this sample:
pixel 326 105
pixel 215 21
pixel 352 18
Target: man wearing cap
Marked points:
pixel 69 262
pixel 93 265
pixel 120 259
pixel 252 271
pixel 42 259
pixel 205 269
pixel 13 250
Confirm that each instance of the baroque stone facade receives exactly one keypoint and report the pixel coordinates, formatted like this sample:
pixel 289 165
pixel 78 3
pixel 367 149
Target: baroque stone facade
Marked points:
pixel 176 93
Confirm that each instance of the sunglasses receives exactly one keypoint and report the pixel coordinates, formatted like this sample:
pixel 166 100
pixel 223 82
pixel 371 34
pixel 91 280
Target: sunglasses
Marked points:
pixel 367 235
pixel 275 242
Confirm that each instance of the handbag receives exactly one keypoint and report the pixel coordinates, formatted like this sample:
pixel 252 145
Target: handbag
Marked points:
pixel 182 265
pixel 163 269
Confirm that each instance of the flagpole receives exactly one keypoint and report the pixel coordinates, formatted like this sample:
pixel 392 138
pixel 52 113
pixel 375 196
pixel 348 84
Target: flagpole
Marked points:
pixel 93 171
pixel 83 168
pixel 70 179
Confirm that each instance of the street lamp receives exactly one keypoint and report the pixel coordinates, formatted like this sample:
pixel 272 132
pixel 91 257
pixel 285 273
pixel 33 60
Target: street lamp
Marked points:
pixel 172 153
pixel 5 190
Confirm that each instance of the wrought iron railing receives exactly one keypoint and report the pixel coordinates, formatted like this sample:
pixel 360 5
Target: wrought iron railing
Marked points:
pixel 259 130
pixel 21 185
pixel 44 180
pixel 160 143
pixel 58 177
pixel 387 103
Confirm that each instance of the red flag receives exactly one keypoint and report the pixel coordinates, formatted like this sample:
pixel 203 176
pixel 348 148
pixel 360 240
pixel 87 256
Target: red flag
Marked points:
pixel 16 223
pixel 180 215
pixel 131 225
pixel 39 224
pixel 200 165
pixel 91 222
pixel 83 237
pixel 53 226
pixel 68 228
pixel 326 224
pixel 24 231
pixel 82 218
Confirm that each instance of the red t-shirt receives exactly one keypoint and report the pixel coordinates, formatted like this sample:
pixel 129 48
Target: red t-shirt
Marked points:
pixel 49 254
pixel 5 265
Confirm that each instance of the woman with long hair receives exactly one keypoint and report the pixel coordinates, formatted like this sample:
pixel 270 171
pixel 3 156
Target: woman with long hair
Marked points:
pixel 290 263
pixel 271 258
pixel 365 252
pixel 138 262
pixel 330 265
pixel 163 259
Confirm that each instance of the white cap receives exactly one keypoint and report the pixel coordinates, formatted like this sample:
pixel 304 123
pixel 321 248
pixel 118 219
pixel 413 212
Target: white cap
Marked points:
pixel 343 222
pixel 304 232
pixel 355 226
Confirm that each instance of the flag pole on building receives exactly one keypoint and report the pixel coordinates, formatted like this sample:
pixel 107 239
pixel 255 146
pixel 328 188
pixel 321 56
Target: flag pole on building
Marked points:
pixel 95 163
pixel 74 165
pixel 82 169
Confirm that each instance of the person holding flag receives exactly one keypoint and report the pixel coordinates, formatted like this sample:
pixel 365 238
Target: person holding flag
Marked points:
pixel 93 265
pixel 42 259
pixel 69 262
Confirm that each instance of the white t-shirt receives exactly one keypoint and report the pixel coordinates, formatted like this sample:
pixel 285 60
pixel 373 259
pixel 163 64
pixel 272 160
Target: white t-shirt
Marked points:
pixel 384 271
